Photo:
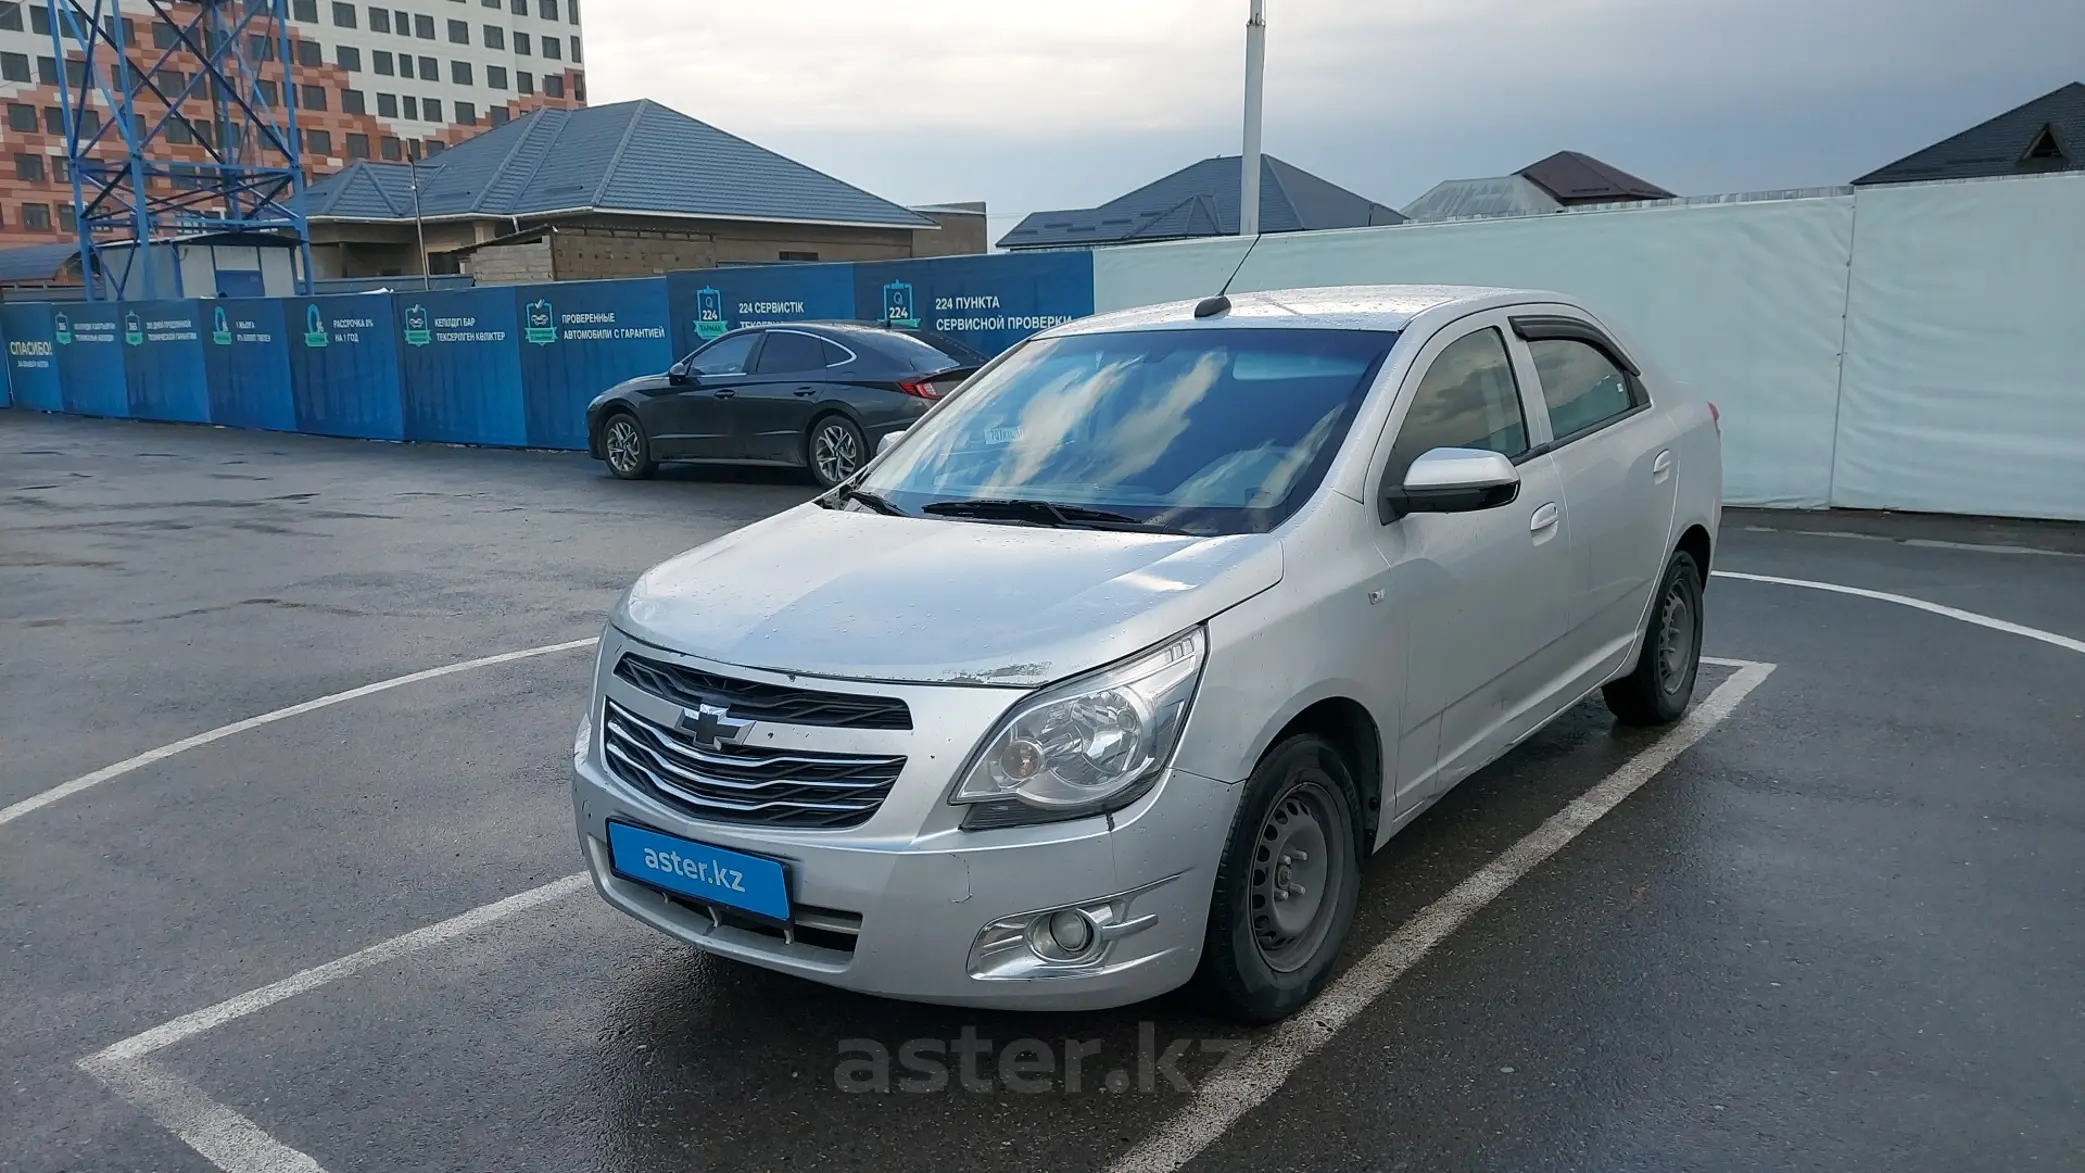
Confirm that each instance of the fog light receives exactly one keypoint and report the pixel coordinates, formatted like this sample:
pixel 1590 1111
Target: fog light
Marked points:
pixel 1071 930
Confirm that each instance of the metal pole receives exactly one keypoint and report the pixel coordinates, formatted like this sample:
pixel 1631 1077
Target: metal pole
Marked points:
pixel 419 226
pixel 1255 85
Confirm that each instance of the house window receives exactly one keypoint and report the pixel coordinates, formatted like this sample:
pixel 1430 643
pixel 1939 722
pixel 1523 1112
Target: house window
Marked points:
pixel 260 48
pixel 460 72
pixel 788 255
pixel 318 142
pixel 575 48
pixel 163 35
pixel 350 58
pixel 21 118
pixel 177 132
pixel 435 147
pixel 351 102
pixel 411 106
pixel 547 9
pixel 496 76
pixel 387 105
pixel 459 32
pixel 343 15
pixel 551 47
pixel 11 16
pixel 310 53
pixel 53 120
pixel 430 109
pixel 553 85
pixel 269 94
pixel 524 81
pixel 68 220
pixel 358 146
pixel 423 27
pixel 381 60
pixel 520 7
pixel 14 66
pixel 405 65
pixel 579 87
pixel 522 45
pixel 36 217
pixel 39 19
pixel 28 168
pixel 495 37
pixel 305 10
pixel 466 113
pixel 379 20
pixel 498 115
pixel 430 69
pixel 402 22
pixel 315 97
pixel 392 150
pixel 46 70
pixel 572 9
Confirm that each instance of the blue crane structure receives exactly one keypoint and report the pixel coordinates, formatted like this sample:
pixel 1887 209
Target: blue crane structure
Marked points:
pixel 250 178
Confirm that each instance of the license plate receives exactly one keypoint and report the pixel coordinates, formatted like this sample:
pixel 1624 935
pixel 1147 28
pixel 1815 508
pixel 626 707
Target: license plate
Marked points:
pixel 730 878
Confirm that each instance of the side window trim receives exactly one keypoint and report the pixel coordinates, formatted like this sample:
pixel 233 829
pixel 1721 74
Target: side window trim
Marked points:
pixel 1561 328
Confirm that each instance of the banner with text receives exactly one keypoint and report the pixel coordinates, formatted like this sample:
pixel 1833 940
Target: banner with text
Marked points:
pixel 579 338
pixel 343 357
pixel 460 366
pixel 246 361
pixel 32 356
pixel 163 362
pixel 708 303
pixel 989 302
pixel 89 338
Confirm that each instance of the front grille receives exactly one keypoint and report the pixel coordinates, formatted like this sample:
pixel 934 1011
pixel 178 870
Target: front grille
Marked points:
pixel 823 928
pixel 751 701
pixel 746 784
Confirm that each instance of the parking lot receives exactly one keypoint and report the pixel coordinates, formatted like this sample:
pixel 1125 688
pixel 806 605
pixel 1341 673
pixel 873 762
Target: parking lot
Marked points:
pixel 1836 919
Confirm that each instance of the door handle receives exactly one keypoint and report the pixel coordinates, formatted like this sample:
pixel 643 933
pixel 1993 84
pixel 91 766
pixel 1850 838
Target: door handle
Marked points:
pixel 807 391
pixel 724 392
pixel 1662 467
pixel 1544 518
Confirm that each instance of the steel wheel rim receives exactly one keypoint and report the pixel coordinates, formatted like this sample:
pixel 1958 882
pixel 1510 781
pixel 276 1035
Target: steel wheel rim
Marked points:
pixel 1675 639
pixel 835 453
pixel 622 445
pixel 1299 859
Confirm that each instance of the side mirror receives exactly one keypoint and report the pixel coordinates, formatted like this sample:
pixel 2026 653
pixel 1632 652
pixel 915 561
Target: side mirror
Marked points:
pixel 889 441
pixel 678 373
pixel 1452 480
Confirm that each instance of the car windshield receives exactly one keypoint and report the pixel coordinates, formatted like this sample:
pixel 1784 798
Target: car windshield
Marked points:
pixel 1202 431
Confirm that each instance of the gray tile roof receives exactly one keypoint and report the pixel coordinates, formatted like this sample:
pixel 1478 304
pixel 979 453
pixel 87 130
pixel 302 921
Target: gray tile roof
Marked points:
pixel 2002 145
pixel 633 157
pixel 36 262
pixel 1463 199
pixel 1202 200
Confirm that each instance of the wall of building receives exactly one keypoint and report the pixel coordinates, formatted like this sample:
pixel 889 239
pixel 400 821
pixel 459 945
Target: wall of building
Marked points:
pixel 962 231
pixel 512 264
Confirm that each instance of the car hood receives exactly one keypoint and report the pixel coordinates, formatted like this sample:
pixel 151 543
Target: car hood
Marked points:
pixel 864 596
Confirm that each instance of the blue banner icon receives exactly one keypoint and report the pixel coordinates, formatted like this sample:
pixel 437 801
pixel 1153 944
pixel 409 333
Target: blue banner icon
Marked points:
pixel 710 321
pixel 220 329
pixel 898 309
pixel 133 330
pixel 541 326
pixel 61 327
pixel 416 331
pixel 314 327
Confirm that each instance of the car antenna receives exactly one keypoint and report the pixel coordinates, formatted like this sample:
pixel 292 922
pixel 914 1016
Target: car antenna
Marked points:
pixel 1210 307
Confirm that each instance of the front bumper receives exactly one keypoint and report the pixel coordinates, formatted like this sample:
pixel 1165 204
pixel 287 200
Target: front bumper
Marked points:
pixel 910 890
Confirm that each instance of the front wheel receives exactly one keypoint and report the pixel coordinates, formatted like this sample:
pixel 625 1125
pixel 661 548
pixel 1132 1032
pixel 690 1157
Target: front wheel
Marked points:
pixel 834 450
pixel 1658 691
pixel 1287 886
pixel 626 449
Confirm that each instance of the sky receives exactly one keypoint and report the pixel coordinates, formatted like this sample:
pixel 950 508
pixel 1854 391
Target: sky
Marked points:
pixel 1034 106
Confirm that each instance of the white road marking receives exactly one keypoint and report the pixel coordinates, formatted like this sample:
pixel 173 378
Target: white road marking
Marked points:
pixel 66 790
pixel 2047 637
pixel 223 1136
pixel 1221 1103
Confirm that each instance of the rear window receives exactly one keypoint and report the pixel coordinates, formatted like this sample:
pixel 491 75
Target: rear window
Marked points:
pixel 930 351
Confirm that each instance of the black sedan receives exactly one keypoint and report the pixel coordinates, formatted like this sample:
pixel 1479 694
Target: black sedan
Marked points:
pixel 813 395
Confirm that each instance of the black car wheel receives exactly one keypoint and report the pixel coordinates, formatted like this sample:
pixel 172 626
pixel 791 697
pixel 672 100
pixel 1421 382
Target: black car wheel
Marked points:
pixel 834 450
pixel 1658 691
pixel 625 447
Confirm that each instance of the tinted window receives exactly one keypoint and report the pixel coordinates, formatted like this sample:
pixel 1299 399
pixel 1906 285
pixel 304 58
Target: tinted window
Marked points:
pixel 725 356
pixel 788 351
pixel 1212 431
pixel 1582 387
pixel 955 350
pixel 835 354
pixel 1467 399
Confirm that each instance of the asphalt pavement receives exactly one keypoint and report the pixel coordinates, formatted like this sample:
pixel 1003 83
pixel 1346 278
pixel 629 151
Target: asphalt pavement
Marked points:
pixel 1841 931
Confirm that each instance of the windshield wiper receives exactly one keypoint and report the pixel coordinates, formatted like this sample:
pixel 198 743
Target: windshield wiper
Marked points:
pixel 1053 514
pixel 874 502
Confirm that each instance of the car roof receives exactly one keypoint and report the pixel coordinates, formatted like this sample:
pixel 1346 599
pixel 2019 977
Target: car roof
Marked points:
pixel 1336 307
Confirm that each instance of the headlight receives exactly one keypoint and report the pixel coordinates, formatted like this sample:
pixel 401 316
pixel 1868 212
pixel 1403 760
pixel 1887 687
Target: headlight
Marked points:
pixel 1088 745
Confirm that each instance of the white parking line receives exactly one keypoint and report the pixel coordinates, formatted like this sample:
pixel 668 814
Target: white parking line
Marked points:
pixel 1219 1104
pixel 36 802
pixel 223 1136
pixel 2047 637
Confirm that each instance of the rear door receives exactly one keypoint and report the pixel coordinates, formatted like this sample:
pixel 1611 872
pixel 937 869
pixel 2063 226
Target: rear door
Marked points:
pixel 1619 470
pixel 694 420
pixel 774 405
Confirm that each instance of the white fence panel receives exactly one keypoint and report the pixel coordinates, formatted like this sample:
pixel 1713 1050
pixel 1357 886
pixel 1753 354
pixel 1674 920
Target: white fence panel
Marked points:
pixel 1744 301
pixel 1964 389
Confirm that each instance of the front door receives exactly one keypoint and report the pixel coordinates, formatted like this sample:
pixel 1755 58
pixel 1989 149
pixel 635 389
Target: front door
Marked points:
pixel 1482 598
pixel 694 419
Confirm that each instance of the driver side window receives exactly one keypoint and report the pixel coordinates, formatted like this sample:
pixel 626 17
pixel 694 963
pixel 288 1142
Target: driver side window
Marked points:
pixel 1467 399
pixel 725 356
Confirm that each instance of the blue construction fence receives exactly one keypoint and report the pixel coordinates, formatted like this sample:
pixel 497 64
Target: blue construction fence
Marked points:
pixel 510 365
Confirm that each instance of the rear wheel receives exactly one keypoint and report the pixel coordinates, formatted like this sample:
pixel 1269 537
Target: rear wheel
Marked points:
pixel 1658 691
pixel 834 450
pixel 625 448
pixel 1286 889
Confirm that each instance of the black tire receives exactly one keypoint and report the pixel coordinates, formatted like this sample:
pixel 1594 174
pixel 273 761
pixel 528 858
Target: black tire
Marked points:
pixel 625 449
pixel 834 450
pixel 1658 690
pixel 1254 968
